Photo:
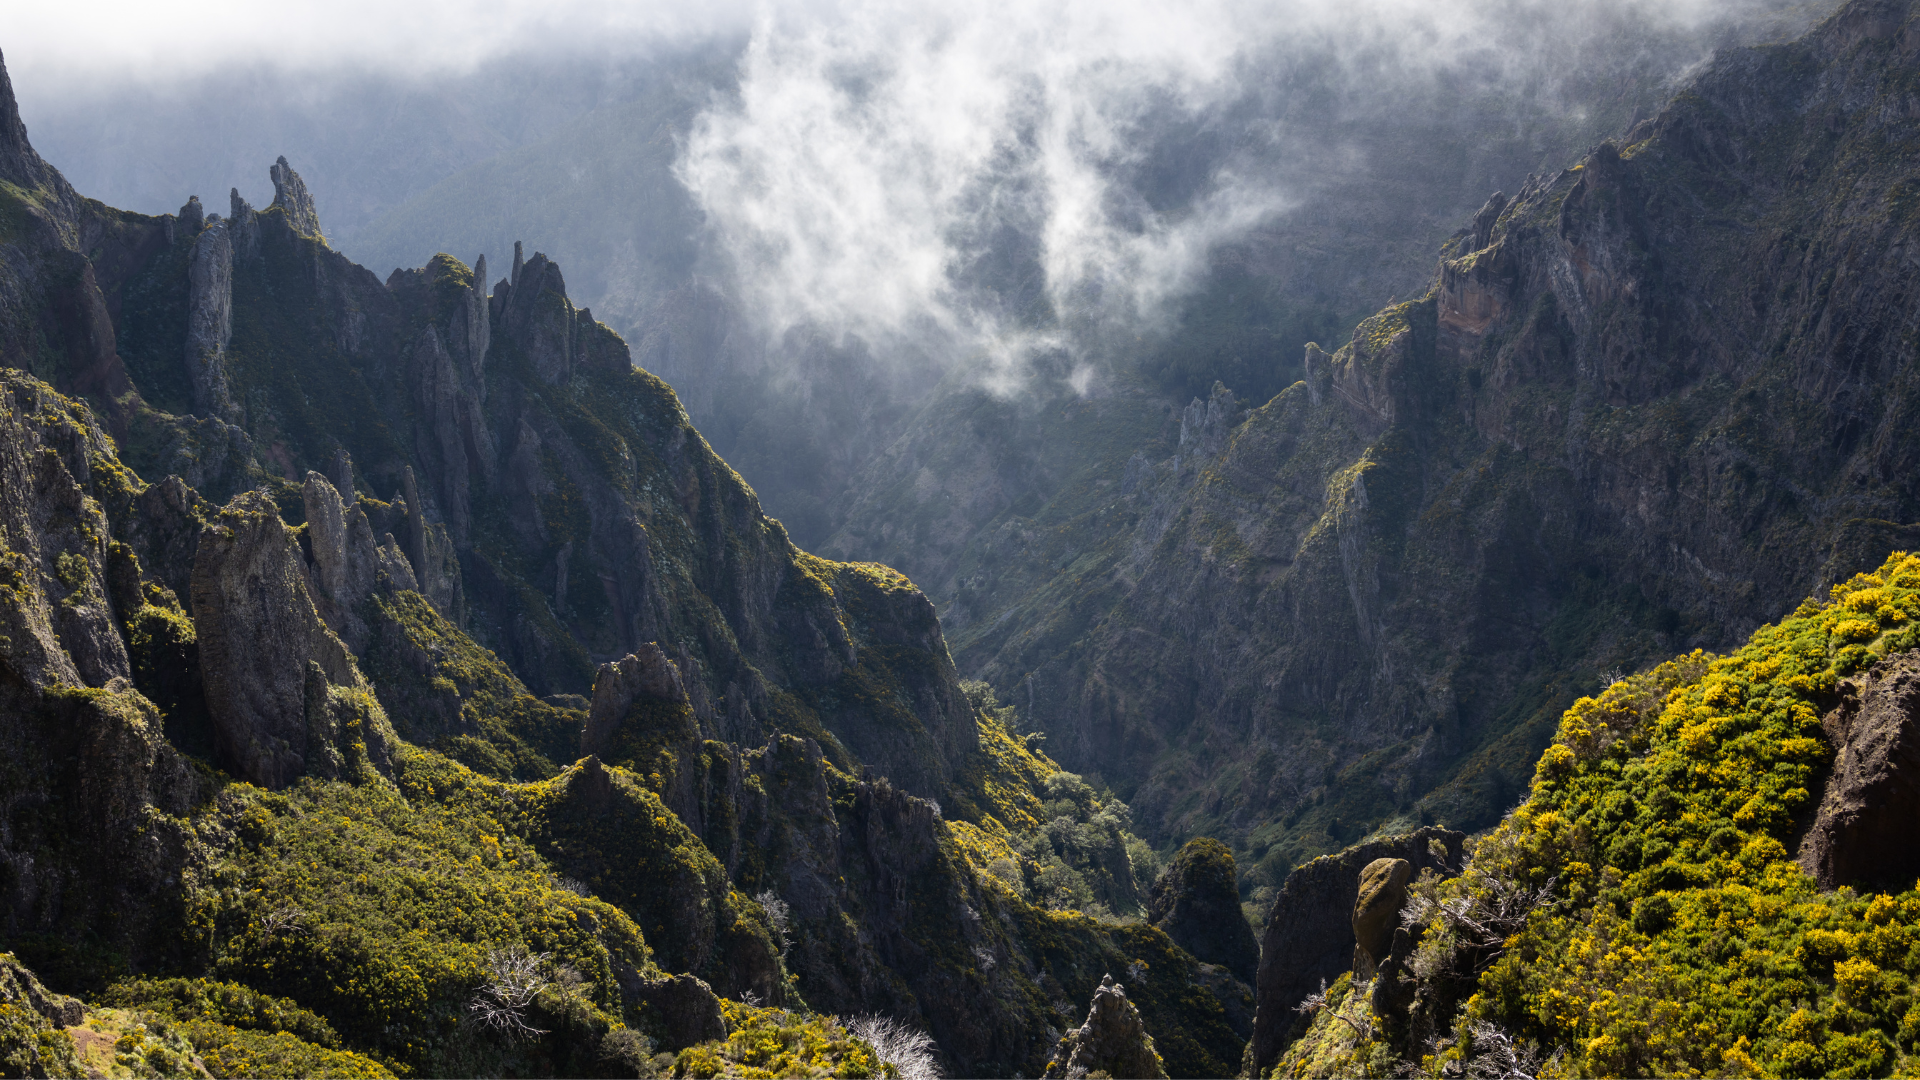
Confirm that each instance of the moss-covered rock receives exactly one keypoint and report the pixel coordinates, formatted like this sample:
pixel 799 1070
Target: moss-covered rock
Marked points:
pixel 1197 902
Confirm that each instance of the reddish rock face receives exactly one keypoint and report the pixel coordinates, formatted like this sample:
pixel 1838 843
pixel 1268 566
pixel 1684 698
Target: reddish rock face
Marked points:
pixel 1863 831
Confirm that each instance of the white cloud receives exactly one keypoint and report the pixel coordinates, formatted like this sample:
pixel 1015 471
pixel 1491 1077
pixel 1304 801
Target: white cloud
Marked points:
pixel 117 40
pixel 877 148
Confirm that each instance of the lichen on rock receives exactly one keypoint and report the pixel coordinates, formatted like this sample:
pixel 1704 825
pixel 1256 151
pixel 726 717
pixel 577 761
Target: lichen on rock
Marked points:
pixel 1376 911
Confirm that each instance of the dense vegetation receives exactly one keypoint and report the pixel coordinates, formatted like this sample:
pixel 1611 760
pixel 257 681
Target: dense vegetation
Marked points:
pixel 1641 913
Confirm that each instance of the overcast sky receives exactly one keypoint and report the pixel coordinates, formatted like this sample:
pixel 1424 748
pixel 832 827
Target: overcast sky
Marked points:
pixel 120 40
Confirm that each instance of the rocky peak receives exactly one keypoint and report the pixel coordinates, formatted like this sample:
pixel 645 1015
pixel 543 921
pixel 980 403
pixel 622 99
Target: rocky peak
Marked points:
pixel 646 674
pixel 1196 900
pixel 290 194
pixel 244 225
pixel 641 716
pixel 1113 1041
pixel 192 216
pixel 538 317
pixel 20 163
pixel 1483 221
pixel 1204 425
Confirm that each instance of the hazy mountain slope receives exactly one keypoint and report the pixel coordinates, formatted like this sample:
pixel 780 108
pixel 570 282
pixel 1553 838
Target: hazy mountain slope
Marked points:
pixel 1383 176
pixel 1650 402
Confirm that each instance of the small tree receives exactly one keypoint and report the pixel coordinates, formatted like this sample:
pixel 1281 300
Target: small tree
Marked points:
pixel 514 978
pixel 907 1050
pixel 777 914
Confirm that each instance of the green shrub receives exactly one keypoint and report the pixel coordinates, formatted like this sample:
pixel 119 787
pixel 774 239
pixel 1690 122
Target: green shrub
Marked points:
pixel 1670 932
pixel 777 1043
pixel 30 1046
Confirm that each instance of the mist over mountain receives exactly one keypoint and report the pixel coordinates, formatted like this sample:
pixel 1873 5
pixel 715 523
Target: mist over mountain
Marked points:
pixel 852 538
pixel 954 188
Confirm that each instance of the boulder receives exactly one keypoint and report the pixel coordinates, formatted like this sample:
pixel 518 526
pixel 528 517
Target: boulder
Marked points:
pixel 1862 833
pixel 1376 911
pixel 1309 937
pixel 1196 900
pixel 688 1010
pixel 1113 1041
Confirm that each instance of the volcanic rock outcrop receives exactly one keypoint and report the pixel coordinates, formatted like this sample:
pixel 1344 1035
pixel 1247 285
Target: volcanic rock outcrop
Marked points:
pixel 1112 1041
pixel 1196 900
pixel 1863 833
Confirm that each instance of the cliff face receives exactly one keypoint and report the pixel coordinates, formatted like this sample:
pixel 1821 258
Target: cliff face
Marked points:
pixel 65 259
pixel 1647 403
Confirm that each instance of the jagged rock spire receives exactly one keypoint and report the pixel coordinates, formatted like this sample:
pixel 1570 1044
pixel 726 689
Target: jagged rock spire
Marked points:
pixel 1113 1041
pixel 290 194
pixel 241 224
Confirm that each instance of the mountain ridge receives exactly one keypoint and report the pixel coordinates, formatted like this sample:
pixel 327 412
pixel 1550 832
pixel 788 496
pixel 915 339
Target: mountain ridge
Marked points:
pixel 342 746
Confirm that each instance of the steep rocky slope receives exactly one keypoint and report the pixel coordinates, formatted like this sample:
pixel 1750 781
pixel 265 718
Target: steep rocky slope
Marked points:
pixel 1645 911
pixel 270 729
pixel 1647 403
